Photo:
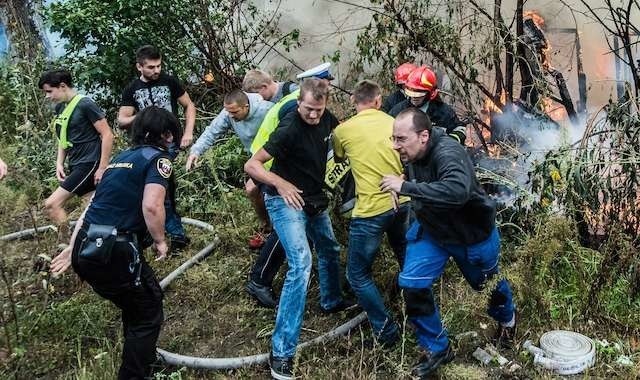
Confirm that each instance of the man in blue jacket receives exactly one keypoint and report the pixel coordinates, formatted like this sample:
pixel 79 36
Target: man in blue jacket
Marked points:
pixel 455 218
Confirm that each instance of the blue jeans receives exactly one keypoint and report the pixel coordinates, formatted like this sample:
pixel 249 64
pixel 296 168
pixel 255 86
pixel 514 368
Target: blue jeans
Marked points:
pixel 365 237
pixel 293 227
pixel 425 262
pixel 172 222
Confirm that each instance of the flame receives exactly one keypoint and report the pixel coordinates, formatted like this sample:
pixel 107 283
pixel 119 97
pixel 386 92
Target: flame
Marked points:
pixel 538 20
pixel 489 107
pixel 555 111
pixel 535 16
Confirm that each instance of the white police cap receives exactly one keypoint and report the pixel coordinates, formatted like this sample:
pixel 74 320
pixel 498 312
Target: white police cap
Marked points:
pixel 320 72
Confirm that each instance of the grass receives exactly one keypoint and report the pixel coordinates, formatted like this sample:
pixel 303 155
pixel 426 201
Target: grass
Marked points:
pixel 67 332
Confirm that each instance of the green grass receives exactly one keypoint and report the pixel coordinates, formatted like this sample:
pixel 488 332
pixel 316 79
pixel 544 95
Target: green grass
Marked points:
pixel 67 332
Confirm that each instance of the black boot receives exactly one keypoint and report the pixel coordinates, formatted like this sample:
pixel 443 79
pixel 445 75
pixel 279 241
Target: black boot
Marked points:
pixel 430 361
pixel 262 294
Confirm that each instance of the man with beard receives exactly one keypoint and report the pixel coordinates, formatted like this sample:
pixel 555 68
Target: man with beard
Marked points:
pixel 156 88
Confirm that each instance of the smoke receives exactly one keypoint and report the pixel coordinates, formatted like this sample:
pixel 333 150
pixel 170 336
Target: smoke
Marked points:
pixel 524 139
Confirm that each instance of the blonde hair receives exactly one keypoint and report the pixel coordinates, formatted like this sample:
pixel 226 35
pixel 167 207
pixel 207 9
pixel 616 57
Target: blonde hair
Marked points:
pixel 254 79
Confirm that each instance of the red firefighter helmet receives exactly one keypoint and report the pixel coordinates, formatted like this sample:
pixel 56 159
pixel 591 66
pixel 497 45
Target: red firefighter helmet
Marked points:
pixel 422 81
pixel 402 72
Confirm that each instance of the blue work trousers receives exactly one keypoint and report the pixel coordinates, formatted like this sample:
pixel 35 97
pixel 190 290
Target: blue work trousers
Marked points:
pixel 424 263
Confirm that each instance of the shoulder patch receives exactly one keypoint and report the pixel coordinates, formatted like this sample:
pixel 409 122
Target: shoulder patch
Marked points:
pixel 164 167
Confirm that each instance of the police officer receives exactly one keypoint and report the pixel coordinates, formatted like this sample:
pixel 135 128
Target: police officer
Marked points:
pixel 106 249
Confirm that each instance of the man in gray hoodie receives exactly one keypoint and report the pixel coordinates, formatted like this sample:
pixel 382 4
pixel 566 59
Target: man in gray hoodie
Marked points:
pixel 243 112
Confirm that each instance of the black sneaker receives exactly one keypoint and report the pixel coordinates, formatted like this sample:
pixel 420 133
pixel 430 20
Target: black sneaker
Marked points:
pixel 385 339
pixel 505 336
pixel 345 304
pixel 386 343
pixel 179 242
pixel 281 368
pixel 430 361
pixel 262 294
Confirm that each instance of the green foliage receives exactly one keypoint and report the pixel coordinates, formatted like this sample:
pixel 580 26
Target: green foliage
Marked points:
pixel 447 35
pixel 221 169
pixel 563 283
pixel 597 183
pixel 29 146
pixel 219 37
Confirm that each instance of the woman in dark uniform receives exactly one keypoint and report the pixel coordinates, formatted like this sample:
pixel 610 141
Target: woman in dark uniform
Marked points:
pixel 105 247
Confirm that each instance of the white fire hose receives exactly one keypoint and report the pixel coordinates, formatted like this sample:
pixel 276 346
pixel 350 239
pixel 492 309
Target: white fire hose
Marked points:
pixel 564 352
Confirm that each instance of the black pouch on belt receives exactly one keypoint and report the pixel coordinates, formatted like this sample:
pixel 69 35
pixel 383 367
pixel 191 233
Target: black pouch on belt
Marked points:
pixel 99 243
pixel 314 205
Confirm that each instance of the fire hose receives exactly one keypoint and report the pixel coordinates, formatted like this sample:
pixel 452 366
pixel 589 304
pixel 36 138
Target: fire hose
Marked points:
pixel 204 362
pixel 564 352
pixel 233 362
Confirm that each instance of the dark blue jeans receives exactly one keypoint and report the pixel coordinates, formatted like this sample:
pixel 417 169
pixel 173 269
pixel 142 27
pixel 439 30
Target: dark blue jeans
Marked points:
pixel 365 237
pixel 172 222
pixel 425 261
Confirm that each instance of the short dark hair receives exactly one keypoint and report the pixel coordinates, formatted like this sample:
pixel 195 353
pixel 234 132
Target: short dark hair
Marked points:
pixel 236 96
pixel 318 88
pixel 151 123
pixel 147 52
pixel 419 120
pixel 55 77
pixel 366 91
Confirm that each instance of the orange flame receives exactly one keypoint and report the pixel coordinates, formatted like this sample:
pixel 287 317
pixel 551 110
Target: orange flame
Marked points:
pixel 489 107
pixel 535 16
pixel 555 111
pixel 538 20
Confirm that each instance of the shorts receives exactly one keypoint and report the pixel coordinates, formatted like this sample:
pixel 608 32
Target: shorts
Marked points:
pixel 80 180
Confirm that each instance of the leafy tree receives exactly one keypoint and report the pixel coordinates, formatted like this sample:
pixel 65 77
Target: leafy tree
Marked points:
pixel 221 38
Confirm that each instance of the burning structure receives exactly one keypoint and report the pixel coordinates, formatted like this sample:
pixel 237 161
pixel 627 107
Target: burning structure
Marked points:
pixel 520 131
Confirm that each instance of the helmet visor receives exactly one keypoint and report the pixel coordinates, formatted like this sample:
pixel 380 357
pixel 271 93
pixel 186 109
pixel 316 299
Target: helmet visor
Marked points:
pixel 415 93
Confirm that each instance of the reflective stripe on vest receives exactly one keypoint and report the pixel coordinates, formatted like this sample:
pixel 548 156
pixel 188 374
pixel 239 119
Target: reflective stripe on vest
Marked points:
pixel 63 121
pixel 269 124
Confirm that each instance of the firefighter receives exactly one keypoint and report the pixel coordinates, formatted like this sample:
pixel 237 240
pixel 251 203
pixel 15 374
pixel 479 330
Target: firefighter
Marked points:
pixel 421 89
pixel 105 249
pixel 401 73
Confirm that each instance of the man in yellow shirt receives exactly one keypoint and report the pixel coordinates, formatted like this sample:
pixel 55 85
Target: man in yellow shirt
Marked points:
pixel 365 140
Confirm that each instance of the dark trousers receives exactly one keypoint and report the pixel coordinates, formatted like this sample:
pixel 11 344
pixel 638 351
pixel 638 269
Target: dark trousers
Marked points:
pixel 141 304
pixel 271 257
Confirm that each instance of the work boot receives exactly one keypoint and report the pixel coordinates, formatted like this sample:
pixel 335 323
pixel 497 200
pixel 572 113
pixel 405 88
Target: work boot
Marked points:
pixel 505 335
pixel 430 361
pixel 281 368
pixel 262 294
pixel 345 304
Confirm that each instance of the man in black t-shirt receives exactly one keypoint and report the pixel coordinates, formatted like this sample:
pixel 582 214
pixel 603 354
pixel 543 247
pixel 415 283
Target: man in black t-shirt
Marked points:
pixel 165 91
pixel 297 204
pixel 84 142
pixel 154 87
